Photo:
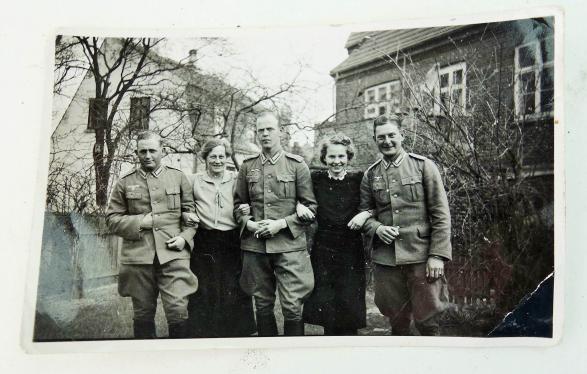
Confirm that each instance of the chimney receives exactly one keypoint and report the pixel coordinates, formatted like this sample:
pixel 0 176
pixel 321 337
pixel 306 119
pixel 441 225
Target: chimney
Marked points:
pixel 193 57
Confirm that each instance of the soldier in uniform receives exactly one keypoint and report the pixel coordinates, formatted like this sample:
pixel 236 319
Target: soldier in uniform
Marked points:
pixel 273 237
pixel 409 232
pixel 145 210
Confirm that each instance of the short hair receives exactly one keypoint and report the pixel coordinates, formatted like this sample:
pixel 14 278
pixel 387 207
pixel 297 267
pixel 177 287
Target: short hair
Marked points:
pixel 147 135
pixel 213 143
pixel 384 120
pixel 337 139
pixel 268 113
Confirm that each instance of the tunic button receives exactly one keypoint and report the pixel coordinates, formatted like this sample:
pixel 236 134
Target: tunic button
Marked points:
pixel 156 228
pixel 387 190
pixel 268 204
pixel 269 176
pixel 268 190
pixel 393 180
pixel 397 211
pixel 394 195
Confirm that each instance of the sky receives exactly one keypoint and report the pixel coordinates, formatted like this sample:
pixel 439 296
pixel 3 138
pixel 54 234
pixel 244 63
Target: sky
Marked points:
pixel 274 56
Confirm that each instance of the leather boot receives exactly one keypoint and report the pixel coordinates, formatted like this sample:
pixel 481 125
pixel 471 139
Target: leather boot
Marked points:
pixel 144 329
pixel 177 330
pixel 266 325
pixel 293 328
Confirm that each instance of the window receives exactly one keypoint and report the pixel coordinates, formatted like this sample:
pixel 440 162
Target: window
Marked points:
pixel 139 113
pixel 97 113
pixel 450 93
pixel 383 99
pixel 534 83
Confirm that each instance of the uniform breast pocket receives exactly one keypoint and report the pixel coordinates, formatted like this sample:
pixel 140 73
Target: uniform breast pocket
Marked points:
pixel 286 187
pixel 133 198
pixel 252 183
pixel 413 187
pixel 380 192
pixel 173 198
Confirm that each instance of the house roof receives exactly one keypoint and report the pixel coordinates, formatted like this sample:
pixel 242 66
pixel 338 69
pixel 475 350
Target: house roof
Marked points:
pixel 369 46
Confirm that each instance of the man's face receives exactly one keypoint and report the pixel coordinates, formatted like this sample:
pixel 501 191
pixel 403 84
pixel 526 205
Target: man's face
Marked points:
pixel 150 154
pixel 268 133
pixel 389 140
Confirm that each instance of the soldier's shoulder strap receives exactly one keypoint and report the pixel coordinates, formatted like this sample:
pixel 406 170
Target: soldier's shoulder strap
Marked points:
pixel 294 157
pixel 373 165
pixel 173 168
pixel 249 158
pixel 128 173
pixel 413 155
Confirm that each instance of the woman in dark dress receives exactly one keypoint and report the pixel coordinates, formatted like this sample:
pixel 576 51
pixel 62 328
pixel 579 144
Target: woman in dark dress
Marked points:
pixel 338 299
pixel 219 308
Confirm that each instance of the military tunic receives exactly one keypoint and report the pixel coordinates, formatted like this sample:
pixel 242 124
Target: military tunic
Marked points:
pixel 148 267
pixel 272 187
pixel 407 193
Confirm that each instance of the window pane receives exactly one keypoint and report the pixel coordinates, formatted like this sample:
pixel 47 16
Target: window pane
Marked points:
pixel 457 97
pixel 527 82
pixel 547 78
pixel 382 94
pixel 444 80
pixel 528 102
pixel 546 100
pixel 371 111
pixel 547 50
pixel 444 99
pixel 527 55
pixel 457 77
pixel 382 110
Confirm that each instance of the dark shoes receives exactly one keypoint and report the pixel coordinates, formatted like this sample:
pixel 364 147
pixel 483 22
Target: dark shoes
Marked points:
pixel 293 328
pixel 144 329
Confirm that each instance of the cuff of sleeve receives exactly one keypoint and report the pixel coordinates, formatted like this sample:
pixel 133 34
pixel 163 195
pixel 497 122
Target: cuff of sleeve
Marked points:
pixel 135 231
pixel 295 229
pixel 244 220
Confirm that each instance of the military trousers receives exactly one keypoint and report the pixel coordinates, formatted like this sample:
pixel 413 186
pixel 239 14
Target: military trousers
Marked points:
pixel 290 273
pixel 403 292
pixel 173 280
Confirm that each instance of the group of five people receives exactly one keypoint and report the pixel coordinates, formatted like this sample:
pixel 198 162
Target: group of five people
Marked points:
pixel 244 235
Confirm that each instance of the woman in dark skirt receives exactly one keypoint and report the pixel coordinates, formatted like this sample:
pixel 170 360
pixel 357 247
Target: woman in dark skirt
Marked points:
pixel 338 299
pixel 219 308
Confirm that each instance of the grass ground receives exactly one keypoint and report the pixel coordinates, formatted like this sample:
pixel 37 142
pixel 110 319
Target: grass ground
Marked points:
pixel 103 314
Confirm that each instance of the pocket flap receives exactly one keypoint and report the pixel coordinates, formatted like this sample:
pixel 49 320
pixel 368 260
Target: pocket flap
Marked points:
pixel 133 195
pixel 424 231
pixel 172 190
pixel 378 185
pixel 286 177
pixel 253 178
pixel 412 179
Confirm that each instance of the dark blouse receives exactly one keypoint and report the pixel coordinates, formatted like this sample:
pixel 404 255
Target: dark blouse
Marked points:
pixel 338 202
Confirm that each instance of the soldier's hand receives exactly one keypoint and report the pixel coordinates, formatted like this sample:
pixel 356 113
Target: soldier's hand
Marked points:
pixel 357 222
pixel 177 243
pixel 190 219
pixel 147 222
pixel 304 213
pixel 387 234
pixel 253 226
pixel 244 209
pixel 269 228
pixel 434 268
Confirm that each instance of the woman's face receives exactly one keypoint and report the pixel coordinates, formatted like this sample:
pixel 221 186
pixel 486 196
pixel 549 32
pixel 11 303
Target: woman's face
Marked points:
pixel 216 160
pixel 336 158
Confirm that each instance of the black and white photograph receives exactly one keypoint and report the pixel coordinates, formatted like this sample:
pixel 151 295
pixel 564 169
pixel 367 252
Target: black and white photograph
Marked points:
pixel 346 182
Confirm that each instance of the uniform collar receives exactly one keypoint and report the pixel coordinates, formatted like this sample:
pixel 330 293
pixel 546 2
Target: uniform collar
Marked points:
pixel 339 178
pixel 155 173
pixel 397 162
pixel 273 159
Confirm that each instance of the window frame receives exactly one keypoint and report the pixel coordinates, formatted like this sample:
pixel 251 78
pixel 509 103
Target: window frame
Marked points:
pixel 537 68
pixel 376 104
pixel 439 90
